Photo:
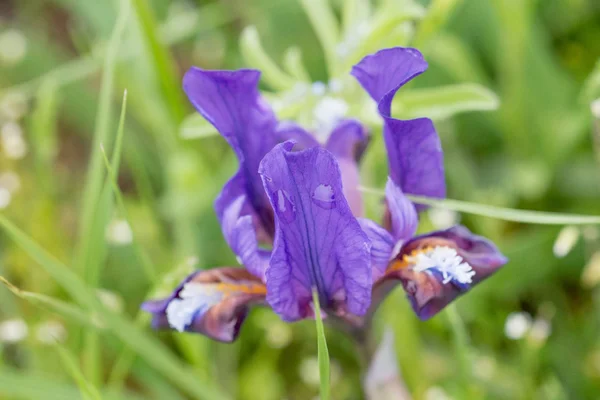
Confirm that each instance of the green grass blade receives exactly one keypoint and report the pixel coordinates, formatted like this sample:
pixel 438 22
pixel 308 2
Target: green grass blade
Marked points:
pixel 69 362
pixel 93 188
pixel 118 149
pixel 90 251
pixel 15 384
pixel 52 304
pixel 506 214
pixel 121 369
pixel 323 352
pixel 111 182
pixel 152 351
pixel 164 64
pixel 74 285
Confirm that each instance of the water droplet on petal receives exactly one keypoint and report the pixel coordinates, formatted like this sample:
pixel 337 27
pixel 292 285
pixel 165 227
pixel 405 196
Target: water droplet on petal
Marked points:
pixel 284 206
pixel 324 197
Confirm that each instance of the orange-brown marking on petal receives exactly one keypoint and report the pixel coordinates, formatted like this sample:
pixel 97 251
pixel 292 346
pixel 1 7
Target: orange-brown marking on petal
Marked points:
pixel 232 288
pixel 407 259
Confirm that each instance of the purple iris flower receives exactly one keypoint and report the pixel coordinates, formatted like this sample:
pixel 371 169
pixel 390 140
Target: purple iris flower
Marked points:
pixel 293 213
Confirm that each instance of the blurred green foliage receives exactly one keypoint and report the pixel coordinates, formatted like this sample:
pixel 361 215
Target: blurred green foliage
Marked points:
pixel 510 85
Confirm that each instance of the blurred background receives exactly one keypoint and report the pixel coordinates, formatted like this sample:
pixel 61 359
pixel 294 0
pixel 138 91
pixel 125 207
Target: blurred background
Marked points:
pixel 511 87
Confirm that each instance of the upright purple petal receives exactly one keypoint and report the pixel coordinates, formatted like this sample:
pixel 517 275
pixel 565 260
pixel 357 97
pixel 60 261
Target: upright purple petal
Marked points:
pixel 231 102
pixel 287 130
pixel 318 242
pixel 415 157
pixel 403 218
pixel 414 151
pixel 348 142
pixel 213 302
pixel 436 268
pixel 383 73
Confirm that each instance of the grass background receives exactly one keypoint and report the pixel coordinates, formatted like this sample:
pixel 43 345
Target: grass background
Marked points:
pixel 64 67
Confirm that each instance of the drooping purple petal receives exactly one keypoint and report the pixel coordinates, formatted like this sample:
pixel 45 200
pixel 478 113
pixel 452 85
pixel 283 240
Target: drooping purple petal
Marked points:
pixel 382 246
pixel 348 142
pixel 318 242
pixel 231 102
pixel 414 151
pixel 212 302
pixel 403 218
pixel 436 268
pixel 240 234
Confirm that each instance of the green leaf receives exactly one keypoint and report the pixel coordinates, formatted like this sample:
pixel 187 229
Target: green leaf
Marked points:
pixel 195 126
pixel 323 352
pixel 292 62
pixel 457 57
pixel 437 15
pixel 382 27
pixel 325 25
pixel 506 214
pixel 69 362
pixel 256 56
pixel 354 12
pixel 446 101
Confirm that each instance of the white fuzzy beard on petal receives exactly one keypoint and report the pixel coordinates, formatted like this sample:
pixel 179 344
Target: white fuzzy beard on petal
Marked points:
pixel 194 299
pixel 445 260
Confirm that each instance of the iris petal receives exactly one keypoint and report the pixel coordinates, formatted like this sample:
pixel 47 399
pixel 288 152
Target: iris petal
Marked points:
pixel 403 218
pixel 382 246
pixel 438 267
pixel 230 100
pixel 287 130
pixel 318 242
pixel 347 143
pixel 212 302
pixel 240 233
pixel 414 151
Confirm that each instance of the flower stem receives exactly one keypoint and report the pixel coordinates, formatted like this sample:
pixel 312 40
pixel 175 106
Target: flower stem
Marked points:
pixel 323 352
